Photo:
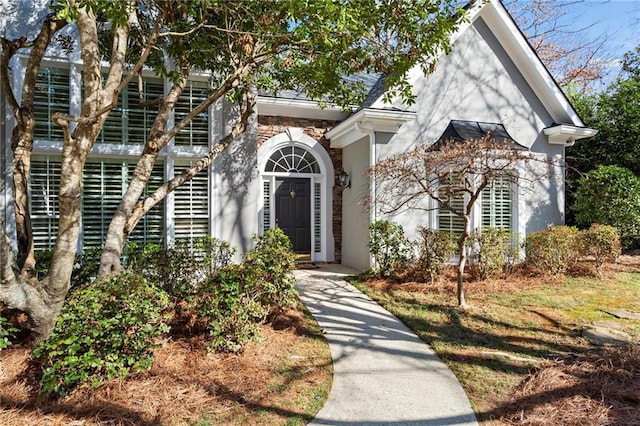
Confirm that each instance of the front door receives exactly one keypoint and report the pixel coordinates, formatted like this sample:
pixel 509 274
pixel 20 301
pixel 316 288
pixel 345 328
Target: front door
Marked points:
pixel 293 211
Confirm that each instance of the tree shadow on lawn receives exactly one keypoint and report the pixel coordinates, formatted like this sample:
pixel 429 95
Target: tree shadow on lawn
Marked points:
pixel 531 341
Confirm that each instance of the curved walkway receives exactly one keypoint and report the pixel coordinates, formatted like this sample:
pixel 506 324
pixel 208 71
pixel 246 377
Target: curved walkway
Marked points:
pixel 383 374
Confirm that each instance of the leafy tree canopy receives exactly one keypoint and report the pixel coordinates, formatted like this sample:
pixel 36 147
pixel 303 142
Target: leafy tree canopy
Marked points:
pixel 616 114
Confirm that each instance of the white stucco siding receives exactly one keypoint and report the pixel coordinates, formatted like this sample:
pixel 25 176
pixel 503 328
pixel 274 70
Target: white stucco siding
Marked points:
pixel 235 188
pixel 355 217
pixel 479 82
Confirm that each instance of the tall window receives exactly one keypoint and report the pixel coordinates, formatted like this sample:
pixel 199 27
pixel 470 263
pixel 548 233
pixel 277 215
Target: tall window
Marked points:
pixel 103 184
pixel 130 121
pixel 43 186
pixel 192 206
pixel 51 95
pixel 447 220
pixel 497 204
pixel 196 133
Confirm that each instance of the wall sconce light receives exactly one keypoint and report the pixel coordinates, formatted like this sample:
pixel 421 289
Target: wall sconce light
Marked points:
pixel 345 180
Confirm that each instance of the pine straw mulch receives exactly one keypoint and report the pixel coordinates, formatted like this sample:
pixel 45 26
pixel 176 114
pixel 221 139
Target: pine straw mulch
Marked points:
pixel 186 385
pixel 597 388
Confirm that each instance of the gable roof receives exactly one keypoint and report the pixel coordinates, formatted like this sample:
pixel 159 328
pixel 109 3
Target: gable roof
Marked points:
pixel 527 62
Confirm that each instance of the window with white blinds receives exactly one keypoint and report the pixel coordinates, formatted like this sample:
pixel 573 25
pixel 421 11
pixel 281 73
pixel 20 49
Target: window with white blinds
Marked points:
pixel 129 122
pixel 497 204
pixel 196 133
pixel 191 206
pixel 43 188
pixel 103 184
pixel 51 95
pixel 447 220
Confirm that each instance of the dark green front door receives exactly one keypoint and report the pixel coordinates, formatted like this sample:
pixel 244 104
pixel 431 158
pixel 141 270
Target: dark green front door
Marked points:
pixel 293 211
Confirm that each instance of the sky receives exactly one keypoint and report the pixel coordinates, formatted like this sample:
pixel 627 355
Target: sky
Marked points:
pixel 618 19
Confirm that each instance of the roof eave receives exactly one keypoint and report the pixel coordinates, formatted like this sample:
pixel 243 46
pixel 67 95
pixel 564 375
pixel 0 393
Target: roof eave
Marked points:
pixel 566 134
pixel 298 108
pixel 353 128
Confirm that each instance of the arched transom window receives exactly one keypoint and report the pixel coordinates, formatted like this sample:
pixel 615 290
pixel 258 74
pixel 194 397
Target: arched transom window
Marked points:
pixel 292 159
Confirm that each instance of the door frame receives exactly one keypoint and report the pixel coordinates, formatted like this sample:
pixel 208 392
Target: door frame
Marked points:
pixel 321 190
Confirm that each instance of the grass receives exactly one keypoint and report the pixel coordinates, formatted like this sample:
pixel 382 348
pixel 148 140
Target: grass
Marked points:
pixel 282 380
pixel 511 329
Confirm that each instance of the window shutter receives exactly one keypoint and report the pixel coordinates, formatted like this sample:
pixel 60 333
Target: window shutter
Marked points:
pixel 104 183
pixel 497 204
pixel 44 185
pixel 447 220
pixel 196 133
pixel 51 95
pixel 192 206
pixel 140 119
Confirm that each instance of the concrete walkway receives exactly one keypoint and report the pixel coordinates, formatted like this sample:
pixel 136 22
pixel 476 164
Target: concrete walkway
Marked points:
pixel 383 374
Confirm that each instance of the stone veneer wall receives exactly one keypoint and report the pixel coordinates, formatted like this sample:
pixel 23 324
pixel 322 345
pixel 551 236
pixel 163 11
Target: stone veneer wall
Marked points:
pixel 269 126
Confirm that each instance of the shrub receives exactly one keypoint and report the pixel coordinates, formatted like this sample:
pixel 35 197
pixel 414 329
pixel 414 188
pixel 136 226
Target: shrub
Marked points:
pixel 228 309
pixel 235 299
pixel 610 195
pixel 602 242
pixel 388 246
pixel 182 268
pixel 433 250
pixel 492 251
pixel 269 268
pixel 553 250
pixel 85 268
pixel 106 329
pixel 6 332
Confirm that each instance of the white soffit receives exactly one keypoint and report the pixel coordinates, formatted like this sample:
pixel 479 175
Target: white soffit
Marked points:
pixel 355 127
pixel 297 108
pixel 566 134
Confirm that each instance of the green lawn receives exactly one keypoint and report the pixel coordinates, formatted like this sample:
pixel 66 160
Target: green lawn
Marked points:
pixel 507 333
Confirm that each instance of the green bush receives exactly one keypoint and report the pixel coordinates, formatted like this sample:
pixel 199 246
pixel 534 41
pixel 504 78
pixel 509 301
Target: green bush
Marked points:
pixel 269 268
pixel 85 268
pixel 228 309
pixel 492 252
pixel 553 250
pixel 7 331
pixel 182 268
pixel 106 329
pixel 610 195
pixel 433 250
pixel 231 303
pixel 388 246
pixel 602 242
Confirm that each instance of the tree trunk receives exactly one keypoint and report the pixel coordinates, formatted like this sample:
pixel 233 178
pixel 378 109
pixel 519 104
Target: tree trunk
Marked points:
pixel 22 147
pixel 462 261
pixel 460 273
pixel 26 294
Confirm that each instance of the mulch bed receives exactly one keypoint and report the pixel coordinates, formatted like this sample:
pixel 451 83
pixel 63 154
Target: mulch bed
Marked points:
pixel 597 388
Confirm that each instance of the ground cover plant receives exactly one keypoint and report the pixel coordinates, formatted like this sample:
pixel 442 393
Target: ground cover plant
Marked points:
pixel 517 349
